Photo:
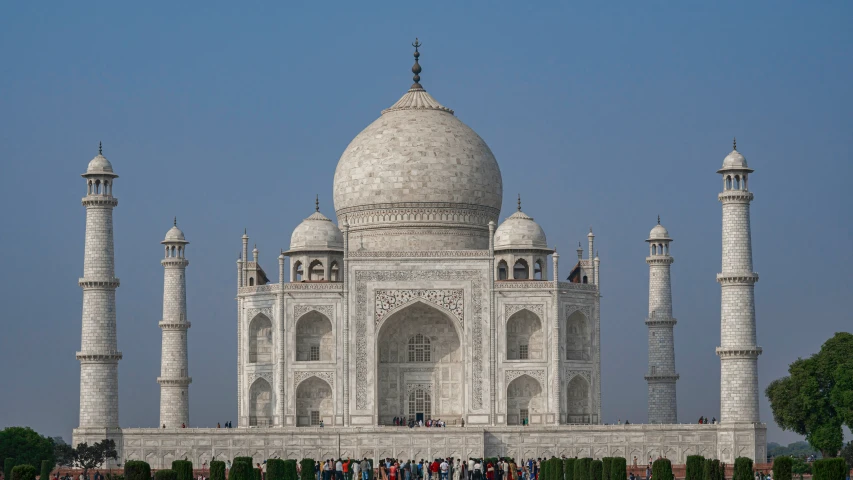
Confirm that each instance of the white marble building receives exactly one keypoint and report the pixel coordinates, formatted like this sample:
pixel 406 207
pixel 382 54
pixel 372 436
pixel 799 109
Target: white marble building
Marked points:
pixel 419 302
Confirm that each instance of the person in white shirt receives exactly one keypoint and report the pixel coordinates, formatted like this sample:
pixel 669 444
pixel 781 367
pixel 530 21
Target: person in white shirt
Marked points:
pixel 444 468
pixel 470 468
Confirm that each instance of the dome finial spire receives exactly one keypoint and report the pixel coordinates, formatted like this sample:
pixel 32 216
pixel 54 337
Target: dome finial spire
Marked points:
pixel 658 219
pixel 734 143
pixel 519 202
pixel 100 148
pixel 317 203
pixel 175 221
pixel 416 68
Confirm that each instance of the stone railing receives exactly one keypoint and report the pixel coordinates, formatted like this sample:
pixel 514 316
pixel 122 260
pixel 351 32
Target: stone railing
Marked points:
pixel 292 287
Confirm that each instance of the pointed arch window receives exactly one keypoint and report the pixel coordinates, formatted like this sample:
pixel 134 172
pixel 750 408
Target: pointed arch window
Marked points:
pixel 419 349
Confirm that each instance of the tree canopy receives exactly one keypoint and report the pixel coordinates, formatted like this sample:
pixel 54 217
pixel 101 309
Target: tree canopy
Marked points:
pixel 816 398
pixel 87 456
pixel 26 446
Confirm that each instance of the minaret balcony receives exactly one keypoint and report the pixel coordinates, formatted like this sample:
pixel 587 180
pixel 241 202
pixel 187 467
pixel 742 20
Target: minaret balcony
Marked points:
pixel 109 356
pixel 166 325
pixel 179 381
pixel 662 378
pixel 655 320
pixel 98 282
pixel 745 278
pixel 735 196
pixel 99 201
pixel 660 260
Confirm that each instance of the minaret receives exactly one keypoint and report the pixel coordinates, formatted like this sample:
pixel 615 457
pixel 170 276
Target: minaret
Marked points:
pixel 661 375
pixel 99 353
pixel 174 377
pixel 738 350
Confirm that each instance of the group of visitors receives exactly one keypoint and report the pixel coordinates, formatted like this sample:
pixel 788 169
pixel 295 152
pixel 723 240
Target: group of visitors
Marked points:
pixel 412 423
pixel 227 424
pixel 340 469
pixel 704 420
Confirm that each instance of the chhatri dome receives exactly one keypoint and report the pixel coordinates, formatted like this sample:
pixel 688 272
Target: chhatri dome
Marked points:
pixel 659 232
pixel 520 232
pixel 316 233
pixel 100 165
pixel 417 178
pixel 175 234
pixel 734 160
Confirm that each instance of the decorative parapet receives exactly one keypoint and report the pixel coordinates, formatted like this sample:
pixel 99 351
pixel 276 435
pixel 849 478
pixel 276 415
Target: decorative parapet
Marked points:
pixel 292 287
pixel 655 320
pixel 103 357
pixel 175 382
pixel 746 278
pixel 99 282
pixel 577 286
pixel 739 352
pixel 421 254
pixel 525 285
pixel 174 325
pixel 99 201
pixel 735 196
pixel 662 378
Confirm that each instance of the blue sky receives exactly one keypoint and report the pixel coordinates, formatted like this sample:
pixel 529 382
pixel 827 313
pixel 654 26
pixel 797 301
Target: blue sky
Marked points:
pixel 234 114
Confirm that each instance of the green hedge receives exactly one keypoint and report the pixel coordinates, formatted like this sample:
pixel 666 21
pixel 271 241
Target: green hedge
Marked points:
pixel 8 465
pixel 217 470
pixel 241 470
pixel 582 468
pixel 662 469
pixel 618 468
pixel 166 474
pixel 596 468
pixel 137 470
pixel 244 459
pixel 307 467
pixel 569 468
pixel 275 469
pixel 826 469
pixel 605 467
pixel 257 474
pixel 543 473
pixel 743 469
pixel 23 472
pixel 557 474
pixel 183 469
pixel 290 472
pixel 46 467
pixel 695 467
pixel 713 470
pixel 783 468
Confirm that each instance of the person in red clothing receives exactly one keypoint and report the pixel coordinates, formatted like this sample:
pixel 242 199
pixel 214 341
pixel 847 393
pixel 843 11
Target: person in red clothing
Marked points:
pixel 433 468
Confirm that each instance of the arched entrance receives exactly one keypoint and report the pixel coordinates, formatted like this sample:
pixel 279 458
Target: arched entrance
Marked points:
pixel 314 339
pixel 578 337
pixel 523 399
pixel 578 404
pixel 419 366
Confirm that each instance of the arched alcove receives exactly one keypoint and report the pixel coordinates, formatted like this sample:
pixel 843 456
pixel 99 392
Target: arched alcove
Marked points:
pixel 260 340
pixel 523 398
pixel 524 339
pixel 521 271
pixel 260 404
pixel 314 339
pixel 578 400
pixel 578 339
pixel 313 402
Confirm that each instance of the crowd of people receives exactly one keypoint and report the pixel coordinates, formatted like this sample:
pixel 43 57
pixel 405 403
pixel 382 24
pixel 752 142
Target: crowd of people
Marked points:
pixel 438 469
pixel 412 423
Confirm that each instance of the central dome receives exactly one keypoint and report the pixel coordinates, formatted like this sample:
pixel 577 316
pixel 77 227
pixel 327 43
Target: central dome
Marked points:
pixel 418 178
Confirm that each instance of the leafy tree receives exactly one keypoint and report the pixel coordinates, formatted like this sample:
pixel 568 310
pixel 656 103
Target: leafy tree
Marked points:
pixel 796 449
pixel 24 472
pixel 816 398
pixel 87 456
pixel 138 470
pixel 25 445
pixel 618 469
pixel 782 468
pixel 662 469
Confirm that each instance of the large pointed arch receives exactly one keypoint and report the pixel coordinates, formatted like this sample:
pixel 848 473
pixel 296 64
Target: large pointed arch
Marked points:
pixel 314 402
pixel 260 339
pixel 578 395
pixel 314 337
pixel 260 404
pixel 524 400
pixel 525 339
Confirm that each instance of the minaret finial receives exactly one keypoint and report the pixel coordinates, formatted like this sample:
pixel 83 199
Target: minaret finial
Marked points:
pixel 416 68
pixel 734 143
pixel 317 203
pixel 519 202
pixel 100 148
pixel 175 222
pixel 658 219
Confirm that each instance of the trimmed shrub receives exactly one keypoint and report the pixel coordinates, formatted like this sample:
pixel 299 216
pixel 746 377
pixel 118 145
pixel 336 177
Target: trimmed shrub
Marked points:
pixel 783 468
pixel 183 469
pixel 290 472
pixel 569 468
pixel 695 467
pixel 743 469
pixel 826 469
pixel 595 469
pixel 582 468
pixel 242 470
pixel 257 474
pixel 46 467
pixel 165 474
pixel 662 469
pixel 307 467
pixel 543 473
pixel 217 470
pixel 23 472
pixel 557 473
pixel 605 467
pixel 275 469
pixel 713 470
pixel 8 465
pixel 137 470
pixel 618 469
pixel 243 459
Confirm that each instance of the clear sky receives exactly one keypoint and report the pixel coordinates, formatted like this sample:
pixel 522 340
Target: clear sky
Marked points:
pixel 234 114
